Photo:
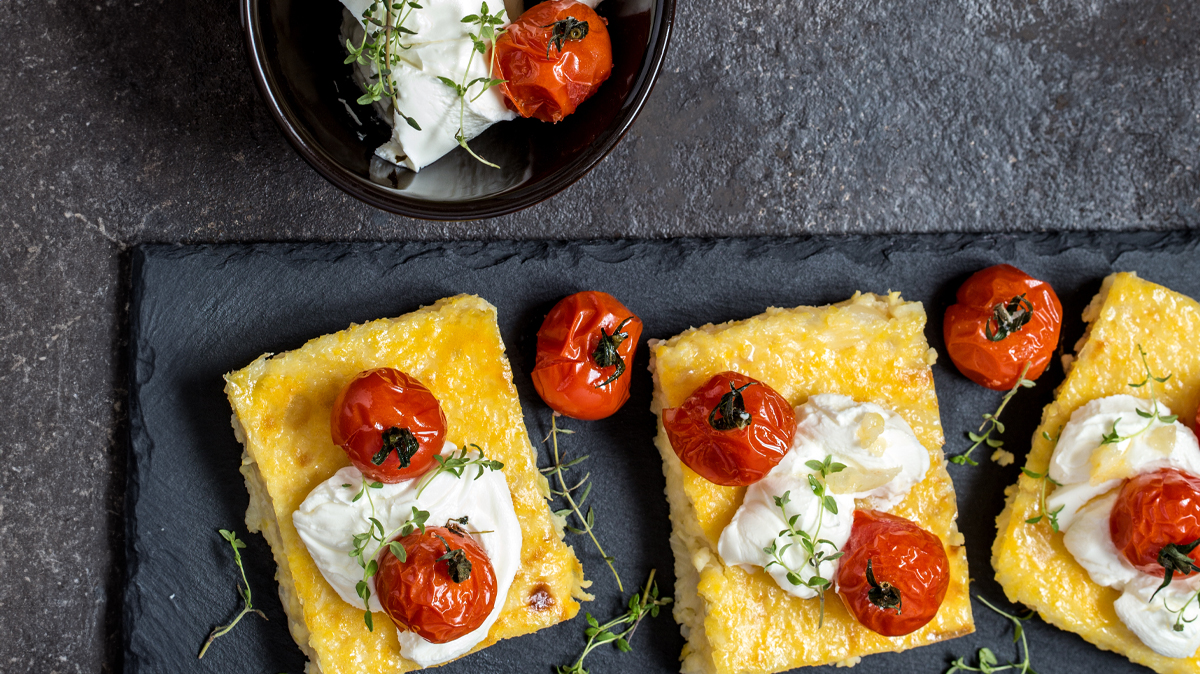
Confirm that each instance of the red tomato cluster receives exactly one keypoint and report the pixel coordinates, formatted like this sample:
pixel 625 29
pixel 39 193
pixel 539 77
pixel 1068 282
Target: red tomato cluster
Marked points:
pixel 1152 511
pixel 1003 319
pixel 732 430
pixel 443 590
pixel 552 59
pixel 584 350
pixel 909 573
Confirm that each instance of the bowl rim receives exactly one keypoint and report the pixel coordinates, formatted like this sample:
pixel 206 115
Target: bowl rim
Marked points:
pixel 486 207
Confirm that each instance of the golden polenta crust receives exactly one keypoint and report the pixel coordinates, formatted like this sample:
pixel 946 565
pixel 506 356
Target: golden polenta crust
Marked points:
pixel 870 348
pixel 282 407
pixel 1032 564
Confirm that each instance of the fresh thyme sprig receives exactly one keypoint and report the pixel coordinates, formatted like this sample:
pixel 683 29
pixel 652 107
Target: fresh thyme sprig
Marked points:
pixel 243 590
pixel 1113 437
pixel 1043 510
pixel 640 605
pixel 457 463
pixel 993 418
pixel 987 659
pixel 567 493
pixel 380 48
pixel 812 543
pixel 377 533
pixel 488 32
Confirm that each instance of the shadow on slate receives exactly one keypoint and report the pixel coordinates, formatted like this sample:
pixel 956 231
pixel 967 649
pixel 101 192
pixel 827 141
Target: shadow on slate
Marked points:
pixel 199 312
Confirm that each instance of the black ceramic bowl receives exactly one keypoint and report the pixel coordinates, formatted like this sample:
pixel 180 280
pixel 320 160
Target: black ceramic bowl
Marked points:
pixel 297 57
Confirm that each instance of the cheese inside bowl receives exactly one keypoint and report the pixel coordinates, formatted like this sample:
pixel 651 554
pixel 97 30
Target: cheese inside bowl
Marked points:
pixel 298 60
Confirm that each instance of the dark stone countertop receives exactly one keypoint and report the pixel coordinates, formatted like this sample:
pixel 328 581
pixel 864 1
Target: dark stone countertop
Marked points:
pixel 128 122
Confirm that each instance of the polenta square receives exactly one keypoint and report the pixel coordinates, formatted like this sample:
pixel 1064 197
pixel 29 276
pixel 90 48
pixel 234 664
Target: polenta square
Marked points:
pixel 281 414
pixel 1031 560
pixel 870 348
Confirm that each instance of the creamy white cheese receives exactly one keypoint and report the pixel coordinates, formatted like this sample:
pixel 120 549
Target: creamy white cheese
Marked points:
pixel 441 47
pixel 1091 473
pixel 1086 468
pixel 883 461
pixel 329 517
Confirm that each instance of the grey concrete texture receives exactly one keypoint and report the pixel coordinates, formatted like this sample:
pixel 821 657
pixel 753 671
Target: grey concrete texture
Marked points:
pixel 127 122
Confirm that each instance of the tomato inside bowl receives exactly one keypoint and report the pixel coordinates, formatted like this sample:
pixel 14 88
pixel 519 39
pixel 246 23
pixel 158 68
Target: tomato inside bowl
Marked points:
pixel 298 63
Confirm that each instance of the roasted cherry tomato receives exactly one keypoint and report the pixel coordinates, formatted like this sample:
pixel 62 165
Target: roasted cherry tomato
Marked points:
pixel 552 59
pixel 1152 511
pixel 389 424
pixel 584 350
pixel 893 575
pixel 1004 319
pixel 732 430
pixel 444 589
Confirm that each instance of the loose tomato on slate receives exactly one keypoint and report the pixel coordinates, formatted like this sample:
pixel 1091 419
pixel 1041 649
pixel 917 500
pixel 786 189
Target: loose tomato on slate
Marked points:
pixel 893 574
pixel 1003 319
pixel 584 350
pixel 552 59
pixel 1155 523
pixel 732 430
pixel 443 589
pixel 390 425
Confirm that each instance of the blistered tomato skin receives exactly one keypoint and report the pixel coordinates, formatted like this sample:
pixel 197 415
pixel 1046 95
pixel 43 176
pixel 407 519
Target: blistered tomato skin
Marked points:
pixel 733 457
pixel 419 593
pixel 1152 510
pixel 904 556
pixel 566 373
pixel 542 80
pixel 373 404
pixel 997 363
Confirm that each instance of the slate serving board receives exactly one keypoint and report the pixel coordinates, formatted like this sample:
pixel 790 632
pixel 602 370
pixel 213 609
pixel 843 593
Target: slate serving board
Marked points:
pixel 199 312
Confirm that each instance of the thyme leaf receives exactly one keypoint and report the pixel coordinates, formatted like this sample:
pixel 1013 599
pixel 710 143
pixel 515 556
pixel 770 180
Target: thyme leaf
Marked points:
pixel 567 493
pixel 817 549
pixel 639 606
pixel 244 590
pixel 380 46
pixel 986 659
pixel 376 533
pixel 488 27
pixel 457 464
pixel 1113 436
pixel 1044 512
pixel 992 419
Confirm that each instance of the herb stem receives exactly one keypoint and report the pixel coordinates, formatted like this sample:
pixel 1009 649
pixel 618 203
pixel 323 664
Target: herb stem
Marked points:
pixel 982 437
pixel 247 604
pixel 565 492
pixel 639 606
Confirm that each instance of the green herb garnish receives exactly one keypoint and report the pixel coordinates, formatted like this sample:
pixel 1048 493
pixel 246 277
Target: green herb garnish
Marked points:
pixel 567 493
pixel 488 32
pixel 457 463
pixel 244 590
pixel 987 659
pixel 993 418
pixel 380 48
pixel 1043 509
pixel 1113 437
pixel 640 605
pixel 819 550
pixel 377 534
